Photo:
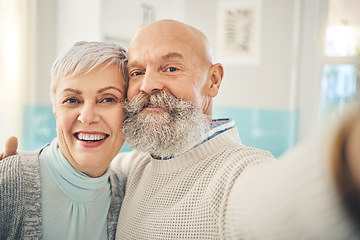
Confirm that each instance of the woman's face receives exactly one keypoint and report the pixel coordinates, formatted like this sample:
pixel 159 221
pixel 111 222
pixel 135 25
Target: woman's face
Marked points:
pixel 89 115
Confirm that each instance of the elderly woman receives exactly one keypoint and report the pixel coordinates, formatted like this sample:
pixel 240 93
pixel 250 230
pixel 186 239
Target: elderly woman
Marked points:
pixel 66 190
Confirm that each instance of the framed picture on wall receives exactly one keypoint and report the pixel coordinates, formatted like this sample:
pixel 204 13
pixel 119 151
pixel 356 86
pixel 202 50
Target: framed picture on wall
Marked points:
pixel 239 31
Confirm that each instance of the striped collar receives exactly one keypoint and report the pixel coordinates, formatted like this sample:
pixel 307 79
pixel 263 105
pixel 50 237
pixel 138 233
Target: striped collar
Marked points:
pixel 217 127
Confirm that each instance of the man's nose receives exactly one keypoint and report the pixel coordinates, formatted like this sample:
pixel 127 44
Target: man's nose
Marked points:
pixel 88 114
pixel 152 82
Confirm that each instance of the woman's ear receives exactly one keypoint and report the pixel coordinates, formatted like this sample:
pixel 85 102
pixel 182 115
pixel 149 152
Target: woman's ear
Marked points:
pixel 216 74
pixel 54 109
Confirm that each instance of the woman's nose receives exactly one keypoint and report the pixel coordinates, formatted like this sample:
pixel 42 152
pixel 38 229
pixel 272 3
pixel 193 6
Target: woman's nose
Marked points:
pixel 88 114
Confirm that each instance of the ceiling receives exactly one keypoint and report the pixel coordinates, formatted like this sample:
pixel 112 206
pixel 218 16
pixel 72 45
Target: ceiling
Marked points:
pixel 344 12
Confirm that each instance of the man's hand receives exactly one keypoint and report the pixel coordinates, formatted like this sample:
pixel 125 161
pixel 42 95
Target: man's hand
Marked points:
pixel 346 162
pixel 353 153
pixel 11 146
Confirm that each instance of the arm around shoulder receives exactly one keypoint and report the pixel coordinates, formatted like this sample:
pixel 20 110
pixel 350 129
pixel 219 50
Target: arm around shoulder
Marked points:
pixel 11 196
pixel 292 196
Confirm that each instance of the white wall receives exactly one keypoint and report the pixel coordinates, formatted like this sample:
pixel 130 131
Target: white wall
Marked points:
pixel 12 54
pixel 264 85
pixel 283 79
pixel 78 20
pixel 288 76
pixel 35 33
pixel 43 50
pixel 57 26
pixel 121 19
pixel 314 17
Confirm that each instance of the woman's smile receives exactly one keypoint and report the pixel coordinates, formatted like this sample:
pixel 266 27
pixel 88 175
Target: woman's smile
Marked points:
pixel 91 139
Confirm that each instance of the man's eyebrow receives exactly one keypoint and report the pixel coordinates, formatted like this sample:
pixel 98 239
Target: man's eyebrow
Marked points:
pixel 107 88
pixel 172 55
pixel 132 64
pixel 169 55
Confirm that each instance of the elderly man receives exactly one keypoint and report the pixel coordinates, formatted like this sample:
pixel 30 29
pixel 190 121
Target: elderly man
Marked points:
pixel 189 177
pixel 184 164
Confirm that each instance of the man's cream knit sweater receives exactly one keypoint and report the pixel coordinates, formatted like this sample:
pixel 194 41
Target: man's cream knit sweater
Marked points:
pixel 184 197
pixel 224 190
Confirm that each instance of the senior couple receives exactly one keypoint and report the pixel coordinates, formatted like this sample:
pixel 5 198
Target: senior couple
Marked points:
pixel 189 176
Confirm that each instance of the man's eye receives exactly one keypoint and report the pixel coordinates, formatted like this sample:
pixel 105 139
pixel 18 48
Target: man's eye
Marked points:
pixel 136 73
pixel 171 69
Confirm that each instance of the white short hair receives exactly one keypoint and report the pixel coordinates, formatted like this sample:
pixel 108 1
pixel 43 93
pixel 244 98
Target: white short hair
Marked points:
pixel 83 57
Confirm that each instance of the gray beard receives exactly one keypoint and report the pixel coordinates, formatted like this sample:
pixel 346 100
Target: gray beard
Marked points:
pixel 165 133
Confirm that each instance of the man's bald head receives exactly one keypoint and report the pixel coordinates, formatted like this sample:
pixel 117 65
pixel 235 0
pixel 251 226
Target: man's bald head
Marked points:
pixel 172 32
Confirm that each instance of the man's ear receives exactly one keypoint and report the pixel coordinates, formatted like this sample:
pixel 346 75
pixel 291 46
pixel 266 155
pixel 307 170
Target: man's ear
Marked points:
pixel 216 74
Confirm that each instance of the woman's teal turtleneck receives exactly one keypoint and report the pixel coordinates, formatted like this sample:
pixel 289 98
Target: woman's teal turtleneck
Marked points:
pixel 74 205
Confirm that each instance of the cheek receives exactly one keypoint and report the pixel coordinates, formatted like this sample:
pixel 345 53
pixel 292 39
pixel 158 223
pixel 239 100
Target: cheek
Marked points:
pixel 115 119
pixel 191 92
pixel 192 87
pixel 64 122
pixel 132 90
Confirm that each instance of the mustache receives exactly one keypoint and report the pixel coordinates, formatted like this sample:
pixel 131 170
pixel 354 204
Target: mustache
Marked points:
pixel 161 99
pixel 168 132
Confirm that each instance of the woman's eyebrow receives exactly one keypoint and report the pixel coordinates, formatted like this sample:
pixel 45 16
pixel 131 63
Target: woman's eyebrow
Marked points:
pixel 72 90
pixel 107 88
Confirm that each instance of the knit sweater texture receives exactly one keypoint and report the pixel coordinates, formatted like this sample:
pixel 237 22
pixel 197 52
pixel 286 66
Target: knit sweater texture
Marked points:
pixel 183 197
pixel 294 197
pixel 20 197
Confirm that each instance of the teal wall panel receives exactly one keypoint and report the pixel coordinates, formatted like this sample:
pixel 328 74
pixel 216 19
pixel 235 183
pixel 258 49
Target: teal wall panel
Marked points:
pixel 39 126
pixel 272 130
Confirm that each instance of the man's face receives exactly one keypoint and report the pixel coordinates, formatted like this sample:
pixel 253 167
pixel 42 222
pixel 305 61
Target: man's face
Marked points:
pixel 168 63
pixel 171 84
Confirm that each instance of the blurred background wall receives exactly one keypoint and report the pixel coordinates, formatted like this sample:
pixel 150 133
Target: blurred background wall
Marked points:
pixel 289 65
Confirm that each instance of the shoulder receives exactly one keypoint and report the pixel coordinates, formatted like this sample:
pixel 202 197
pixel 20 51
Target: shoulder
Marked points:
pixel 22 163
pixel 237 157
pixel 12 194
pixel 118 185
pixel 16 168
pixel 9 162
pixel 30 161
pixel 10 169
pixel 20 193
pixel 227 146
pixel 124 162
pixel 118 180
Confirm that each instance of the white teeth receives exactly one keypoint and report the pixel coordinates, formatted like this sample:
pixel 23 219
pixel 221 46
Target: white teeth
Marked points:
pixel 90 137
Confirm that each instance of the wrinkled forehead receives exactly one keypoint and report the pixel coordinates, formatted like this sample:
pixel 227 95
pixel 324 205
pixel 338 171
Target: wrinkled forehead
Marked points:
pixel 157 44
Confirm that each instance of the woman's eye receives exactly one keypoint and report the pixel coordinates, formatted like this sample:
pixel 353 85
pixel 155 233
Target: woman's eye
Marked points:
pixel 71 101
pixel 108 100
